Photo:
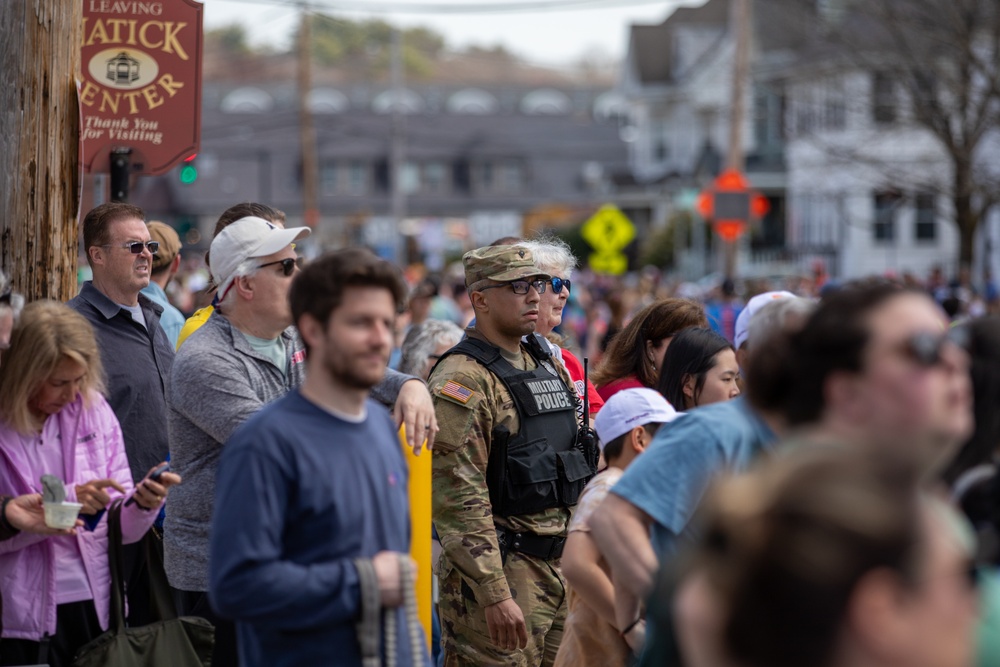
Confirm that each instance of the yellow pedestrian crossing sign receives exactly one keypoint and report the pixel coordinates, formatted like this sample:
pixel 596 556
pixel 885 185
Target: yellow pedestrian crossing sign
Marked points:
pixel 613 264
pixel 609 231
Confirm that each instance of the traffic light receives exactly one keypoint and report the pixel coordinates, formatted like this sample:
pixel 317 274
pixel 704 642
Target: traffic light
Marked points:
pixel 189 170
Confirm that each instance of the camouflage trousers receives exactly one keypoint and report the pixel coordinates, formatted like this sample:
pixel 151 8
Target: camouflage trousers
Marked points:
pixel 537 587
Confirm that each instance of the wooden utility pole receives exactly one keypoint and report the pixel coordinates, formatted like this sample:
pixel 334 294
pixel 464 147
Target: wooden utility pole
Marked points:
pixel 39 142
pixel 736 158
pixel 307 133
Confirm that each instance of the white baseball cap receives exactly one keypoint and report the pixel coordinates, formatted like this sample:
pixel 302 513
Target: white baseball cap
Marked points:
pixel 753 306
pixel 630 408
pixel 245 238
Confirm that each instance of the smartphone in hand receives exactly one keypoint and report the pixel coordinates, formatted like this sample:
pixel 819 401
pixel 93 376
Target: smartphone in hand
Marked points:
pixel 155 476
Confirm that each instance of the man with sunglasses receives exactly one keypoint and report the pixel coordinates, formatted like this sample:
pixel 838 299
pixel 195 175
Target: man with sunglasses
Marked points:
pixel 506 471
pixel 245 355
pixel 136 354
pixel 135 351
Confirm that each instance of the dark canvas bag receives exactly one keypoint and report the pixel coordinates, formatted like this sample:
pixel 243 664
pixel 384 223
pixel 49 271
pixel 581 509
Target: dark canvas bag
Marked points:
pixel 170 642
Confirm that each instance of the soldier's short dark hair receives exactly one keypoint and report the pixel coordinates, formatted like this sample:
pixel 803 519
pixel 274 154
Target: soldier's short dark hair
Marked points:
pixel 318 289
pixel 97 222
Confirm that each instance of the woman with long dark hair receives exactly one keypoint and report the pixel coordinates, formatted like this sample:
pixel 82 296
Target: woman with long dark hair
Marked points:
pixel 699 368
pixel 635 354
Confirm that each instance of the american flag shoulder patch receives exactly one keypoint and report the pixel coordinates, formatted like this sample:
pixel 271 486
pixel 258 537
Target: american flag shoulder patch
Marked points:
pixel 457 391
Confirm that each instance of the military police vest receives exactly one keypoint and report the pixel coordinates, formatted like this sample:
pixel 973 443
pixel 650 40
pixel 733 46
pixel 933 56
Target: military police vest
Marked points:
pixel 539 467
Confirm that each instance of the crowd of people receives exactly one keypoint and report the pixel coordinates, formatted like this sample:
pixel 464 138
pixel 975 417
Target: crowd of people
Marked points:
pixel 624 471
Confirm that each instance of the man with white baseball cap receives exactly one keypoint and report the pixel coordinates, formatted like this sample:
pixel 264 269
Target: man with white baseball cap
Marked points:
pixel 252 238
pixel 625 426
pixel 246 355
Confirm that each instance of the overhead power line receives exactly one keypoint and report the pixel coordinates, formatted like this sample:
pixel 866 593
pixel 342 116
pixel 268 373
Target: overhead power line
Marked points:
pixel 466 7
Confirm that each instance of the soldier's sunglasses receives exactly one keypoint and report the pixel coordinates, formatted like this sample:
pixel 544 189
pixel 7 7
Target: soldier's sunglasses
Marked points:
pixel 520 286
pixel 559 283
pixel 287 265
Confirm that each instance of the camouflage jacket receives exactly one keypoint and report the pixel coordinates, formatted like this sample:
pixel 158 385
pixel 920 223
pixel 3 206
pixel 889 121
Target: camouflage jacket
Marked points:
pixel 470 402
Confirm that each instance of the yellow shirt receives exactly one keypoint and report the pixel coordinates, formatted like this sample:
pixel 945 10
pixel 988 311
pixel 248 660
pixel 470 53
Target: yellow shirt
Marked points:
pixel 193 323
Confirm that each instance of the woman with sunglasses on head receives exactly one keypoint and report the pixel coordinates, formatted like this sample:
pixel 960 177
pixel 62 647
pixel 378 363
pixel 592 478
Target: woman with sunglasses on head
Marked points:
pixel 635 355
pixel 699 368
pixel 54 421
pixel 553 256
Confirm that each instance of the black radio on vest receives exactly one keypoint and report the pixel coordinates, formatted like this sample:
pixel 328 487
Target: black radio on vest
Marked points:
pixel 586 437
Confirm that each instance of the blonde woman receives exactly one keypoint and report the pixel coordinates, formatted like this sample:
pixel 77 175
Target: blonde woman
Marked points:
pixel 54 420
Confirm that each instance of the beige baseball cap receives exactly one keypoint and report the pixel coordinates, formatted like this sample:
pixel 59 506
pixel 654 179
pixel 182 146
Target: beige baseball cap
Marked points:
pixel 502 263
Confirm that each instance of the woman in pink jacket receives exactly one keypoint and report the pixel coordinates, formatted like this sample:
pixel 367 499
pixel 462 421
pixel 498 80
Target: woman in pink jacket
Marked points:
pixel 53 420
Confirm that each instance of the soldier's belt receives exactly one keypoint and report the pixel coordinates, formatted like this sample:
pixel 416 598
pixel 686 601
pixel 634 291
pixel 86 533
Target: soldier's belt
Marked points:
pixel 546 547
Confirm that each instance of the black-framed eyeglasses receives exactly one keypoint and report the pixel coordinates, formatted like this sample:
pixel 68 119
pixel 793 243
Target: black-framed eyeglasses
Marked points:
pixel 559 283
pixel 135 247
pixel 521 286
pixel 288 265
pixel 927 349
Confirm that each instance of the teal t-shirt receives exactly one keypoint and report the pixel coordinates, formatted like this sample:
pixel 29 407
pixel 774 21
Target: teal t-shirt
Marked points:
pixel 273 349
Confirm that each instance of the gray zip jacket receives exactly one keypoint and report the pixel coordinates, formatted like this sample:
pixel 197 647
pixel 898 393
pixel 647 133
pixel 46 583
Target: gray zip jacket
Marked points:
pixel 218 381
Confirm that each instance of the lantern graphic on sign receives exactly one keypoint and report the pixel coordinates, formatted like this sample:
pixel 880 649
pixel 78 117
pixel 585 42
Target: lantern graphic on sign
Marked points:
pixel 123 69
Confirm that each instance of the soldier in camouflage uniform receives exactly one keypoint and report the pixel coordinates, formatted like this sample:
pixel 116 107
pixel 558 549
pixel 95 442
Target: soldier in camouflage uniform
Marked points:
pixel 506 473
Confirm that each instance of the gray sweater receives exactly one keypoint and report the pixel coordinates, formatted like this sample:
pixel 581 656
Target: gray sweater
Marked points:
pixel 219 381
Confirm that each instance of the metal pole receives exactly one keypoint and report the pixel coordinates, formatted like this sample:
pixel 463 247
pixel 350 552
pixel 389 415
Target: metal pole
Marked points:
pixel 307 134
pixel 736 158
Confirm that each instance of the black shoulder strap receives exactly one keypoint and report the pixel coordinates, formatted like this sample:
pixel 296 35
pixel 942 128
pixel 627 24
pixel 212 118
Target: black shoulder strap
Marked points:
pixel 487 355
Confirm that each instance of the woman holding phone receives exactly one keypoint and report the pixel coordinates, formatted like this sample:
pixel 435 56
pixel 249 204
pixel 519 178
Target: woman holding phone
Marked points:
pixel 53 420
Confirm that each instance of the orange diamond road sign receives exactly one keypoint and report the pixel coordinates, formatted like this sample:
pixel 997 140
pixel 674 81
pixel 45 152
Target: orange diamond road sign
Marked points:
pixel 731 205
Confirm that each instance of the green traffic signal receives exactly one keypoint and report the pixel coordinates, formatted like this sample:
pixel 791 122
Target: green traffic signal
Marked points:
pixel 189 174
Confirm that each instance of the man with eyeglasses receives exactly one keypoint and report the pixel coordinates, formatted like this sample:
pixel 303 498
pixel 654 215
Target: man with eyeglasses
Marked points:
pixel 506 472
pixel 135 351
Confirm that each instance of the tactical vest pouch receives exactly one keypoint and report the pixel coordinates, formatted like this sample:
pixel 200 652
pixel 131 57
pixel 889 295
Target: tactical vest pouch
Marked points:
pixel 532 476
pixel 574 473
